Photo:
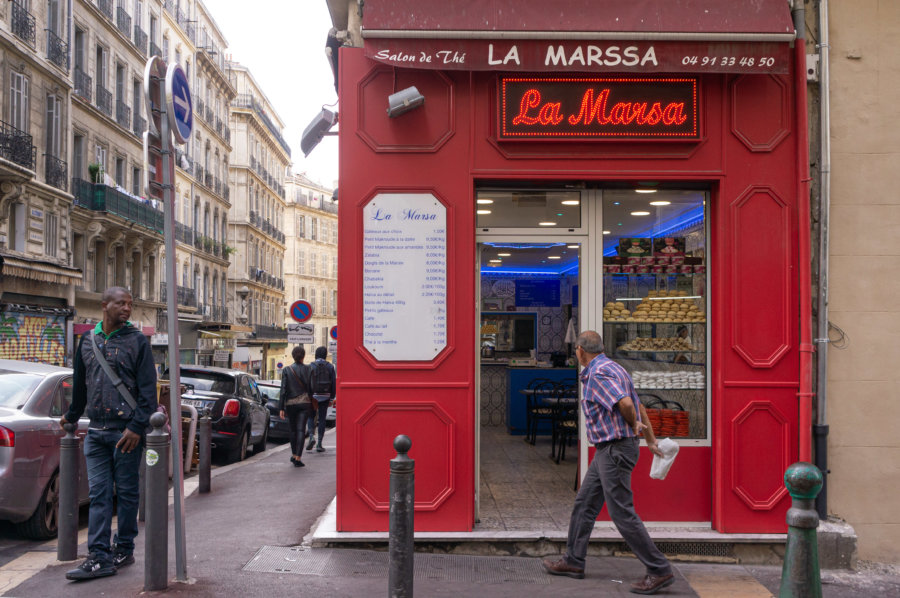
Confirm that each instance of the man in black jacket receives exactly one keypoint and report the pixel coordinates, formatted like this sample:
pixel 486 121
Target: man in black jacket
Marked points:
pixel 113 444
pixel 323 385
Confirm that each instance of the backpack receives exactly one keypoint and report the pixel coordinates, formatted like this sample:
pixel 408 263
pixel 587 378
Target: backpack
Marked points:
pixel 320 377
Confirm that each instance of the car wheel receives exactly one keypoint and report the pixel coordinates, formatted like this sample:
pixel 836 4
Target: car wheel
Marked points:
pixel 43 524
pixel 261 445
pixel 240 451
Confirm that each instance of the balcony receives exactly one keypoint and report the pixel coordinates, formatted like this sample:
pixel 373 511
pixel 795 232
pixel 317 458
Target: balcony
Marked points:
pixel 57 50
pixel 16 146
pixel 226 192
pixel 138 124
pixel 208 180
pixel 154 49
pixel 198 173
pixel 269 332
pixel 104 100
pixel 219 313
pixel 209 115
pixel 56 172
pixel 253 218
pixel 227 134
pixel 123 20
pixel 199 107
pixel 198 240
pixel 106 8
pixel 123 114
pixel 101 198
pixel 184 233
pixel 83 84
pixel 22 24
pixel 218 125
pixel 183 295
pixel 140 39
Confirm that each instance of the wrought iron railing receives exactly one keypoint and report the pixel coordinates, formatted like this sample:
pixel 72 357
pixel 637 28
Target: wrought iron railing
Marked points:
pixel 253 217
pixel 139 124
pixel 104 100
pixel 184 233
pixel 56 172
pixel 123 114
pixel 217 186
pixel 140 39
pixel 57 50
pixel 83 84
pixel 226 192
pixel 101 198
pixel 22 23
pixel 183 295
pixel 209 115
pixel 199 106
pixel 198 172
pixel 106 8
pixel 123 20
pixel 207 180
pixel 16 146
pixel 218 125
pixel 154 49
pixel 228 134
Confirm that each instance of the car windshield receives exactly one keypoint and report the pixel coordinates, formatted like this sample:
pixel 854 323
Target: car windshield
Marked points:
pixel 270 391
pixel 208 381
pixel 16 387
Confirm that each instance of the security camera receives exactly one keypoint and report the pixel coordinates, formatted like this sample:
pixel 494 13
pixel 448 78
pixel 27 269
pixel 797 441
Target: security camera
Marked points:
pixel 403 101
pixel 316 130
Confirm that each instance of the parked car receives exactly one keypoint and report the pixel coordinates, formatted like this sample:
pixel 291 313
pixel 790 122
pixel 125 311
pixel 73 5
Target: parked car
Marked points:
pixel 278 427
pixel 33 398
pixel 236 407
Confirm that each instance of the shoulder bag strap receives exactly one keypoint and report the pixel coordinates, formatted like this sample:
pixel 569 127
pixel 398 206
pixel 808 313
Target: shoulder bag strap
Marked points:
pixel 104 365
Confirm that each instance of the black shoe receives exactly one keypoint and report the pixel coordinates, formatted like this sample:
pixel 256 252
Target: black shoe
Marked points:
pixel 299 463
pixel 122 559
pixel 310 444
pixel 561 567
pixel 92 567
pixel 320 448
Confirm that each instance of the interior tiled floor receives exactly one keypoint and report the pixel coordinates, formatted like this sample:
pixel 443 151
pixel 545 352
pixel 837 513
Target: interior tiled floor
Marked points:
pixel 522 488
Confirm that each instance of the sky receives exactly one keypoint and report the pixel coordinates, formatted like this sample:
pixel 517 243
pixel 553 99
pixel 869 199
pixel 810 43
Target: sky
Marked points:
pixel 282 42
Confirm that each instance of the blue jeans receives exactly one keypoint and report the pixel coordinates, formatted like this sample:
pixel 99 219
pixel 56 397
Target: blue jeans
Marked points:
pixel 322 412
pixel 109 468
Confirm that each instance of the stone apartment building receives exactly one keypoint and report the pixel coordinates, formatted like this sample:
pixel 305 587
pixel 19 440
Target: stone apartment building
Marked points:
pixel 310 258
pixel 260 161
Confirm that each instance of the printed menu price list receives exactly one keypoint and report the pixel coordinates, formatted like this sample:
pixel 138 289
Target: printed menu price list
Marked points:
pixel 405 277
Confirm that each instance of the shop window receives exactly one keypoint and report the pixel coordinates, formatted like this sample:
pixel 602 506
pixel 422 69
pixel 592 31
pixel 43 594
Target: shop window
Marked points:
pixel 655 302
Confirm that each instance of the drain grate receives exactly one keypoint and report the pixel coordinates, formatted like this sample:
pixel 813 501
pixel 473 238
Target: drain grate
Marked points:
pixel 365 563
pixel 702 549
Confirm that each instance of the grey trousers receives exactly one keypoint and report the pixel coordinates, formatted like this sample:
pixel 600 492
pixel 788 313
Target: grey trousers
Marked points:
pixel 608 479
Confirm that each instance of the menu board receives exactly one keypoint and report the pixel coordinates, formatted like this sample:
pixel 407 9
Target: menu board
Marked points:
pixel 404 277
pixel 537 293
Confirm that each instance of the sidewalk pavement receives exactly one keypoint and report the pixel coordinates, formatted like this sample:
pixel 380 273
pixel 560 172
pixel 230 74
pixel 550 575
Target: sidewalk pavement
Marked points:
pixel 246 538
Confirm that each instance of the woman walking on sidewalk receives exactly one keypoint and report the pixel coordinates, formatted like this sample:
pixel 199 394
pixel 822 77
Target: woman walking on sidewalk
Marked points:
pixel 296 402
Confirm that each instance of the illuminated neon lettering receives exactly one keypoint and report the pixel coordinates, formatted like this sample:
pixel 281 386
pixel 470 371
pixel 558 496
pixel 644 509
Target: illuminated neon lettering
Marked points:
pixel 591 109
pixel 674 114
pixel 531 99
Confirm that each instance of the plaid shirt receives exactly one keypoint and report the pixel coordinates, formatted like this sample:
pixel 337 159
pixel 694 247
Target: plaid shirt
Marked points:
pixel 604 383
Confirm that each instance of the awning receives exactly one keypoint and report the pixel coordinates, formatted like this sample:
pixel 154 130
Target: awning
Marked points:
pixel 611 36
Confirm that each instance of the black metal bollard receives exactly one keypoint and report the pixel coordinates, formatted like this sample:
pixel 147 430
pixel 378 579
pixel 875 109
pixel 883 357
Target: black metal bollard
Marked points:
pixel 156 527
pixel 204 467
pixel 401 549
pixel 800 574
pixel 69 460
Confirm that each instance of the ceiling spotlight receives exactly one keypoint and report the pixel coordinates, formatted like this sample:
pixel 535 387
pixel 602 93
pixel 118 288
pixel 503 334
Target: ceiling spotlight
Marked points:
pixel 484 201
pixel 660 203
pixel 606 232
pixel 640 213
pixel 553 257
pixel 482 211
pixel 495 261
pixel 546 224
pixel 571 202
pixel 504 254
pixel 573 246
pixel 403 101
pixel 645 190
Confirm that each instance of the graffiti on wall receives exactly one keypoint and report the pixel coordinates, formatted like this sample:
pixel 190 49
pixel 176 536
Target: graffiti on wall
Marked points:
pixel 33 337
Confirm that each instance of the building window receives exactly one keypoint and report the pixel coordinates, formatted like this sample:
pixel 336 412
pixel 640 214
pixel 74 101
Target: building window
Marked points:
pixel 78 156
pixel 303 292
pixel 16 227
pixel 312 265
pixel 313 226
pixel 18 101
pixel 334 303
pixel 324 266
pixel 54 125
pixel 324 302
pixel 334 266
pixel 136 182
pixel 120 171
pixel 51 236
pixel 301 262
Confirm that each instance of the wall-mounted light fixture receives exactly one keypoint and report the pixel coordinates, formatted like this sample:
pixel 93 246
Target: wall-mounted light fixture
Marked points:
pixel 317 129
pixel 403 101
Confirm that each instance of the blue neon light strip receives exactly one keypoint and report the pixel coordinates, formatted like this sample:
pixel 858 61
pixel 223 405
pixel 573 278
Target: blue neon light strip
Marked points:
pixel 689 218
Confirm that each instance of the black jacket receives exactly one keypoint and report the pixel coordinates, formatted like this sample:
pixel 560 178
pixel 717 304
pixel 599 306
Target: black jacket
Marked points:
pixel 294 383
pixel 331 376
pixel 128 353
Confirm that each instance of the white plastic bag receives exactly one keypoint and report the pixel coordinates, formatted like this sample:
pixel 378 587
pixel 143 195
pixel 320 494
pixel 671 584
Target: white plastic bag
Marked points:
pixel 660 466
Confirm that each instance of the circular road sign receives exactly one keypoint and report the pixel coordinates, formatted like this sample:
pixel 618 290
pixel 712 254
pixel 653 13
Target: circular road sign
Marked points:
pixel 179 104
pixel 301 310
pixel 333 332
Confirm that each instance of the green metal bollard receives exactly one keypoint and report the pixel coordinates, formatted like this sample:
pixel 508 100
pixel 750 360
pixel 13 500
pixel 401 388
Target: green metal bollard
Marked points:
pixel 800 574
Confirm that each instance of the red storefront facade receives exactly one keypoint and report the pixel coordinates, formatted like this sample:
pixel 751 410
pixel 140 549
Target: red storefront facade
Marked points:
pixel 708 98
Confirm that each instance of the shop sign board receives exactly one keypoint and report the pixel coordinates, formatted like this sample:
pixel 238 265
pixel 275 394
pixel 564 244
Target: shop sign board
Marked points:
pixel 220 355
pixel 599 108
pixel 582 56
pixel 404 276
pixel 299 333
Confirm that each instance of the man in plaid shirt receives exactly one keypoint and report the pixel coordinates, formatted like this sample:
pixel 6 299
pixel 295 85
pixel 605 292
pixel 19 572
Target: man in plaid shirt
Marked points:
pixel 615 421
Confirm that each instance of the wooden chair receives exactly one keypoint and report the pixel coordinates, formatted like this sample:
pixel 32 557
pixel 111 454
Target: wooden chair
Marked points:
pixel 536 410
pixel 565 420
